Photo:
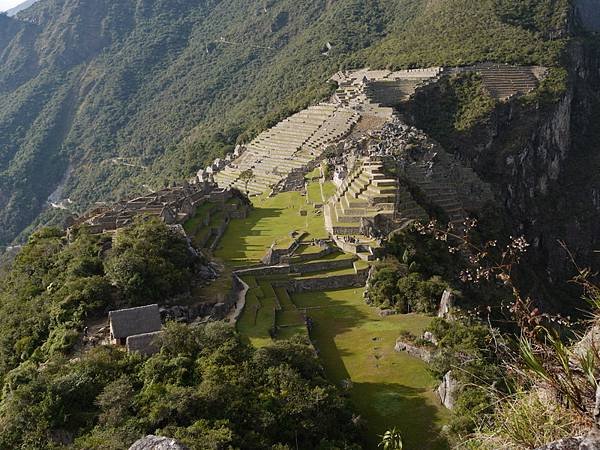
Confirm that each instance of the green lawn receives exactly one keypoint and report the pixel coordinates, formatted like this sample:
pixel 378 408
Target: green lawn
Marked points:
pixel 389 389
pixel 314 175
pixel 329 189
pixel 314 193
pixel 204 209
pixel 308 249
pixel 257 319
pixel 272 219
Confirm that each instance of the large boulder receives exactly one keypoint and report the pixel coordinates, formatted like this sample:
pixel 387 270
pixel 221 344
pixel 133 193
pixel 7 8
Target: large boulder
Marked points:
pixel 447 390
pixel 446 305
pixel 157 443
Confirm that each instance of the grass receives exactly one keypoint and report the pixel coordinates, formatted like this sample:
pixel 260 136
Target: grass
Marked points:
pixel 329 189
pixel 314 175
pixel 257 319
pixel 314 193
pixel 308 249
pixel 198 218
pixel 272 219
pixel 390 389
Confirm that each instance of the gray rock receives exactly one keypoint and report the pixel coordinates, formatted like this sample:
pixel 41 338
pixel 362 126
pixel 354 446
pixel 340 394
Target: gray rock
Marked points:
pixel 589 442
pixel 446 305
pixel 429 337
pixel 413 350
pixel 448 390
pixel 157 443
pixel 220 310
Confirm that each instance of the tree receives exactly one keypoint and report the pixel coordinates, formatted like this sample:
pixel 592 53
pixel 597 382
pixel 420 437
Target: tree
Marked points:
pixel 246 176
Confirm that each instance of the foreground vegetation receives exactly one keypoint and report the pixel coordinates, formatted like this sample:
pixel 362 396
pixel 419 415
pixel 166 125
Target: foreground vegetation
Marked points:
pixel 205 388
pixel 55 285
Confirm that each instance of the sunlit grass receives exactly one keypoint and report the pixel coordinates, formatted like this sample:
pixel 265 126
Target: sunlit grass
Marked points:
pixel 271 220
pixel 390 389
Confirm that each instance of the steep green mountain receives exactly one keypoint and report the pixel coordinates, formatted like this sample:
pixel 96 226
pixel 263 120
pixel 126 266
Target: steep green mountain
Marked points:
pixel 98 99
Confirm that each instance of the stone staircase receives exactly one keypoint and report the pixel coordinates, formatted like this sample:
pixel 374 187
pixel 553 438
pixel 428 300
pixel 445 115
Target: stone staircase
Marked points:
pixel 367 193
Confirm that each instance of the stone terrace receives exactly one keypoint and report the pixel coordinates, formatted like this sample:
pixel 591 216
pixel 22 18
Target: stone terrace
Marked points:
pixel 291 144
pixel 367 193
pixel 442 179
pixel 375 92
pixel 504 81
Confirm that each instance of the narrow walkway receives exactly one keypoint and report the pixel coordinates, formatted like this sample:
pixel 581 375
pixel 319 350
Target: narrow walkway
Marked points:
pixel 321 181
pixel 235 313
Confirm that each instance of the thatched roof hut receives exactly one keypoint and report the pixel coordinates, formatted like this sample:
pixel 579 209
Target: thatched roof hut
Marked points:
pixel 133 321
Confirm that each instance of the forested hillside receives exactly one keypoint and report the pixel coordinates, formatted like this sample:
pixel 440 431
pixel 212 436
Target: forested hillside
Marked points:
pixel 100 98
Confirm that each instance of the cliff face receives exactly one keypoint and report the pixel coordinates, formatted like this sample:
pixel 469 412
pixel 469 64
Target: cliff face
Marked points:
pixel 544 164
pixel 588 14
pixel 542 159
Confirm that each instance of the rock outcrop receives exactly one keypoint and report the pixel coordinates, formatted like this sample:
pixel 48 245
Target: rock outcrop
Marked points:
pixel 588 14
pixel 446 305
pixel 589 442
pixel 157 443
pixel 448 390
pixel 418 352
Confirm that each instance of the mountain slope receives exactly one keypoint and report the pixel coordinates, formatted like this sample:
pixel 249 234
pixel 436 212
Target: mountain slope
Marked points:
pixel 100 98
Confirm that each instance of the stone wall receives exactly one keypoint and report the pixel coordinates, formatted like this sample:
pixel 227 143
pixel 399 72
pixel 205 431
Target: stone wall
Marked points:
pixel 264 271
pixel 303 258
pixel 322 266
pixel 218 233
pixel 221 310
pixel 285 269
pixel 329 283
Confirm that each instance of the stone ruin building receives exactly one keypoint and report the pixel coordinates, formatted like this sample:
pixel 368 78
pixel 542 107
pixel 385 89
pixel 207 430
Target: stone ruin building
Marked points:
pixel 386 162
pixel 174 205
pixel 363 96
pixel 388 174
pixel 136 328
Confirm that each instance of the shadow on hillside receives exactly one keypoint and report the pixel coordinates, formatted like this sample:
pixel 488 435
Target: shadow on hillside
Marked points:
pixel 330 318
pixel 392 405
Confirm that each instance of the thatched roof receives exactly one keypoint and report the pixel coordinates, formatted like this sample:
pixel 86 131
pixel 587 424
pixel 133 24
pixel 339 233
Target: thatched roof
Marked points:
pixel 146 344
pixel 141 320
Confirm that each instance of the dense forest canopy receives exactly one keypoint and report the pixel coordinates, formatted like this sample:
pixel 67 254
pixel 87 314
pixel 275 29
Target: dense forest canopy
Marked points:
pixel 99 98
